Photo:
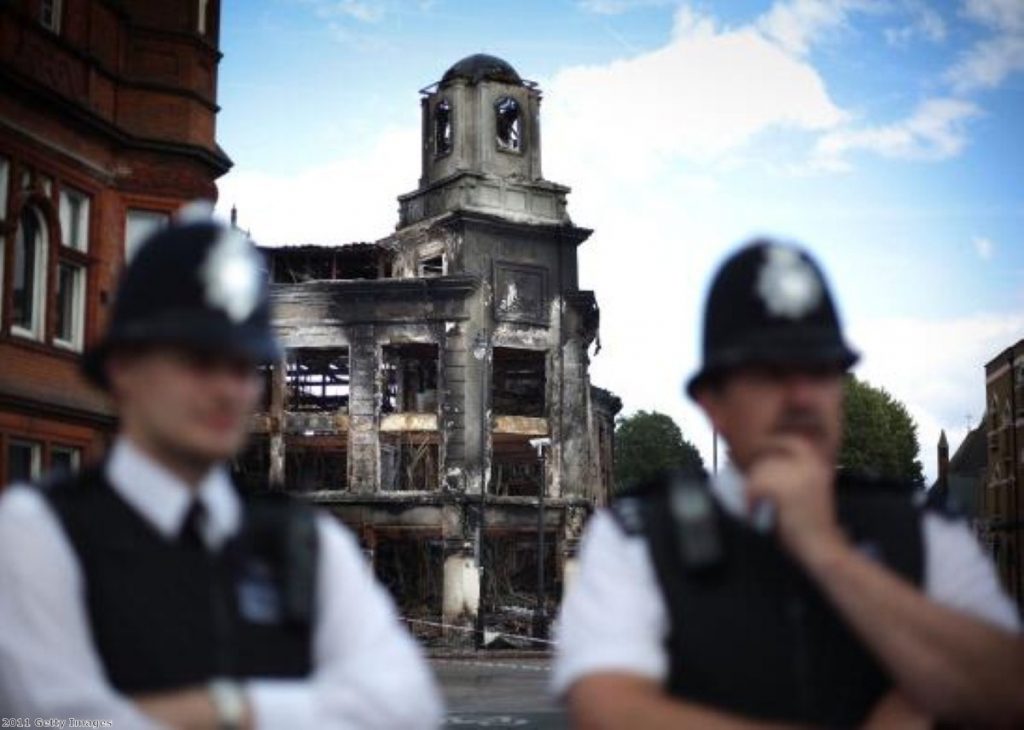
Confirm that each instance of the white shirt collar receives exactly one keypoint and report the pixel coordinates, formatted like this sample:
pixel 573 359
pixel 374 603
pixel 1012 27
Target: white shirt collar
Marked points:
pixel 163 499
pixel 727 486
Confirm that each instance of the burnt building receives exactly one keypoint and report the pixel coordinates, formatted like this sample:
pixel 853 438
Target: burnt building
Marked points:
pixel 107 119
pixel 1001 506
pixel 426 370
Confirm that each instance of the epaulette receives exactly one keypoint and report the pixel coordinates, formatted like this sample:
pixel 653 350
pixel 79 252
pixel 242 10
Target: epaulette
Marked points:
pixel 628 507
pixel 628 512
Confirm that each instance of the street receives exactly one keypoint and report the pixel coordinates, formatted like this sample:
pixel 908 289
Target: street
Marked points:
pixel 496 692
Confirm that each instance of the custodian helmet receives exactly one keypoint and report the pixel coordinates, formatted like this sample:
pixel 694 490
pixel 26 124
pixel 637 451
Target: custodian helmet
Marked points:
pixel 194 283
pixel 770 305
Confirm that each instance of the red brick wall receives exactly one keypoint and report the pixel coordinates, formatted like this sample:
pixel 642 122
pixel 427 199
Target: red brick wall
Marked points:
pixel 120 105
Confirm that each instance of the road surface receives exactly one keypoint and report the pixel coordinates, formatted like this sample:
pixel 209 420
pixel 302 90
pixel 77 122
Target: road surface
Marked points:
pixel 496 693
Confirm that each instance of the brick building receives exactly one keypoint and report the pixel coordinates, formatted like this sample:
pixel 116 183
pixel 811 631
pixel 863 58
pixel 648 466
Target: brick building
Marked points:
pixel 107 124
pixel 420 368
pixel 959 486
pixel 1001 521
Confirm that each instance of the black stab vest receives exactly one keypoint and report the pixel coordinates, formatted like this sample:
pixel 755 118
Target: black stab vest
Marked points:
pixel 165 617
pixel 754 636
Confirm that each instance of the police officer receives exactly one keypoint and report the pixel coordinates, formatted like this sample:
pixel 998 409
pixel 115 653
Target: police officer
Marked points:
pixel 149 592
pixel 779 592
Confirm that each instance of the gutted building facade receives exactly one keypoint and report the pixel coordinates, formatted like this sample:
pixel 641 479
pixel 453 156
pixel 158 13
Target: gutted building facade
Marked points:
pixel 107 124
pixel 435 393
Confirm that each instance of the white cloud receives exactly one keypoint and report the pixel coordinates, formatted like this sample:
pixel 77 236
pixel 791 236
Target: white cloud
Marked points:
pixel 617 7
pixel 642 141
pixel 1003 15
pixel 366 11
pixel 990 61
pixel 705 94
pixel 984 247
pixel 799 25
pixel 925 23
pixel 936 367
pixel 937 130
pixel 347 199
pixel 796 25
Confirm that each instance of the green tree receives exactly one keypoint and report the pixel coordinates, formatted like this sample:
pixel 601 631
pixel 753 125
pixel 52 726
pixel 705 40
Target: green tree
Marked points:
pixel 649 442
pixel 879 434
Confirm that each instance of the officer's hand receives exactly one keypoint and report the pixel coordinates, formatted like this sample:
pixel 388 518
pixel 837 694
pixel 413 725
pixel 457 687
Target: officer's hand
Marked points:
pixel 896 712
pixel 791 474
pixel 186 709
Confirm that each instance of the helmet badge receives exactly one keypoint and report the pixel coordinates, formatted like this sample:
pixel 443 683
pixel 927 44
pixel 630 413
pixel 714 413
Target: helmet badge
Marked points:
pixel 231 276
pixel 788 285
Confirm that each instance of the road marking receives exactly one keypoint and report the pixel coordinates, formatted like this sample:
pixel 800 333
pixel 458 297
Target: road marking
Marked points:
pixel 498 665
pixel 486 721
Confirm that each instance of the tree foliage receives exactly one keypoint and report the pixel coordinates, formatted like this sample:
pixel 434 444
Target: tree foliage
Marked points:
pixel 649 442
pixel 879 434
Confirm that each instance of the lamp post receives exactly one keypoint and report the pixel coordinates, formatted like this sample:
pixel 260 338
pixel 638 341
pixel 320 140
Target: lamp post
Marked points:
pixel 480 353
pixel 540 619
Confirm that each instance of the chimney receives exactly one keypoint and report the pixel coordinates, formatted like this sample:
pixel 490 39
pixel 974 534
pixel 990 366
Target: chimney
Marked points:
pixel 943 480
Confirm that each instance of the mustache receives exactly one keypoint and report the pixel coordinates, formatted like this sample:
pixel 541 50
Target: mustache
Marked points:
pixel 801 421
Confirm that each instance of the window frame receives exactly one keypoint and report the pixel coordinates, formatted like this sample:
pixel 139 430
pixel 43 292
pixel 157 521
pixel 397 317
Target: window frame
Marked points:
pixel 36 330
pixel 5 185
pixel 36 447
pixel 5 177
pixel 56 7
pixel 426 268
pixel 77 340
pixel 152 214
pixel 74 218
pixel 74 451
pixel 203 17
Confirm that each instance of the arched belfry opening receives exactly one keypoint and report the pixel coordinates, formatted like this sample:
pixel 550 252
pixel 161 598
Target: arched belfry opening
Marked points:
pixel 442 128
pixel 508 130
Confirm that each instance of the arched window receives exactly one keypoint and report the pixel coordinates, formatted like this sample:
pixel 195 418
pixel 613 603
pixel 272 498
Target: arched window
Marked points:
pixel 49 14
pixel 443 128
pixel 202 14
pixel 508 124
pixel 30 246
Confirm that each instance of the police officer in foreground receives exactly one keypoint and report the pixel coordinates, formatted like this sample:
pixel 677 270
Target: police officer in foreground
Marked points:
pixel 149 592
pixel 778 592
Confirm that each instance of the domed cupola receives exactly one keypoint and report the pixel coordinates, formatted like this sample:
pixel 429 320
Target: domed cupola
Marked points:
pixel 480 140
pixel 481 67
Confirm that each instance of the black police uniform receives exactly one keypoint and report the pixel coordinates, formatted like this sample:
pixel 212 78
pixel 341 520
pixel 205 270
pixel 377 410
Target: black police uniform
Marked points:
pixel 750 632
pixel 169 614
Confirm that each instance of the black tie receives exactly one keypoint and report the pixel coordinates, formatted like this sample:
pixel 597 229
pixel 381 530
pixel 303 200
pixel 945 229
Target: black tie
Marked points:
pixel 191 536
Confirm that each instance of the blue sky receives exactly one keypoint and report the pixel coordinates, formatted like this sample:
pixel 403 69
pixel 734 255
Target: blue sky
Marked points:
pixel 883 134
